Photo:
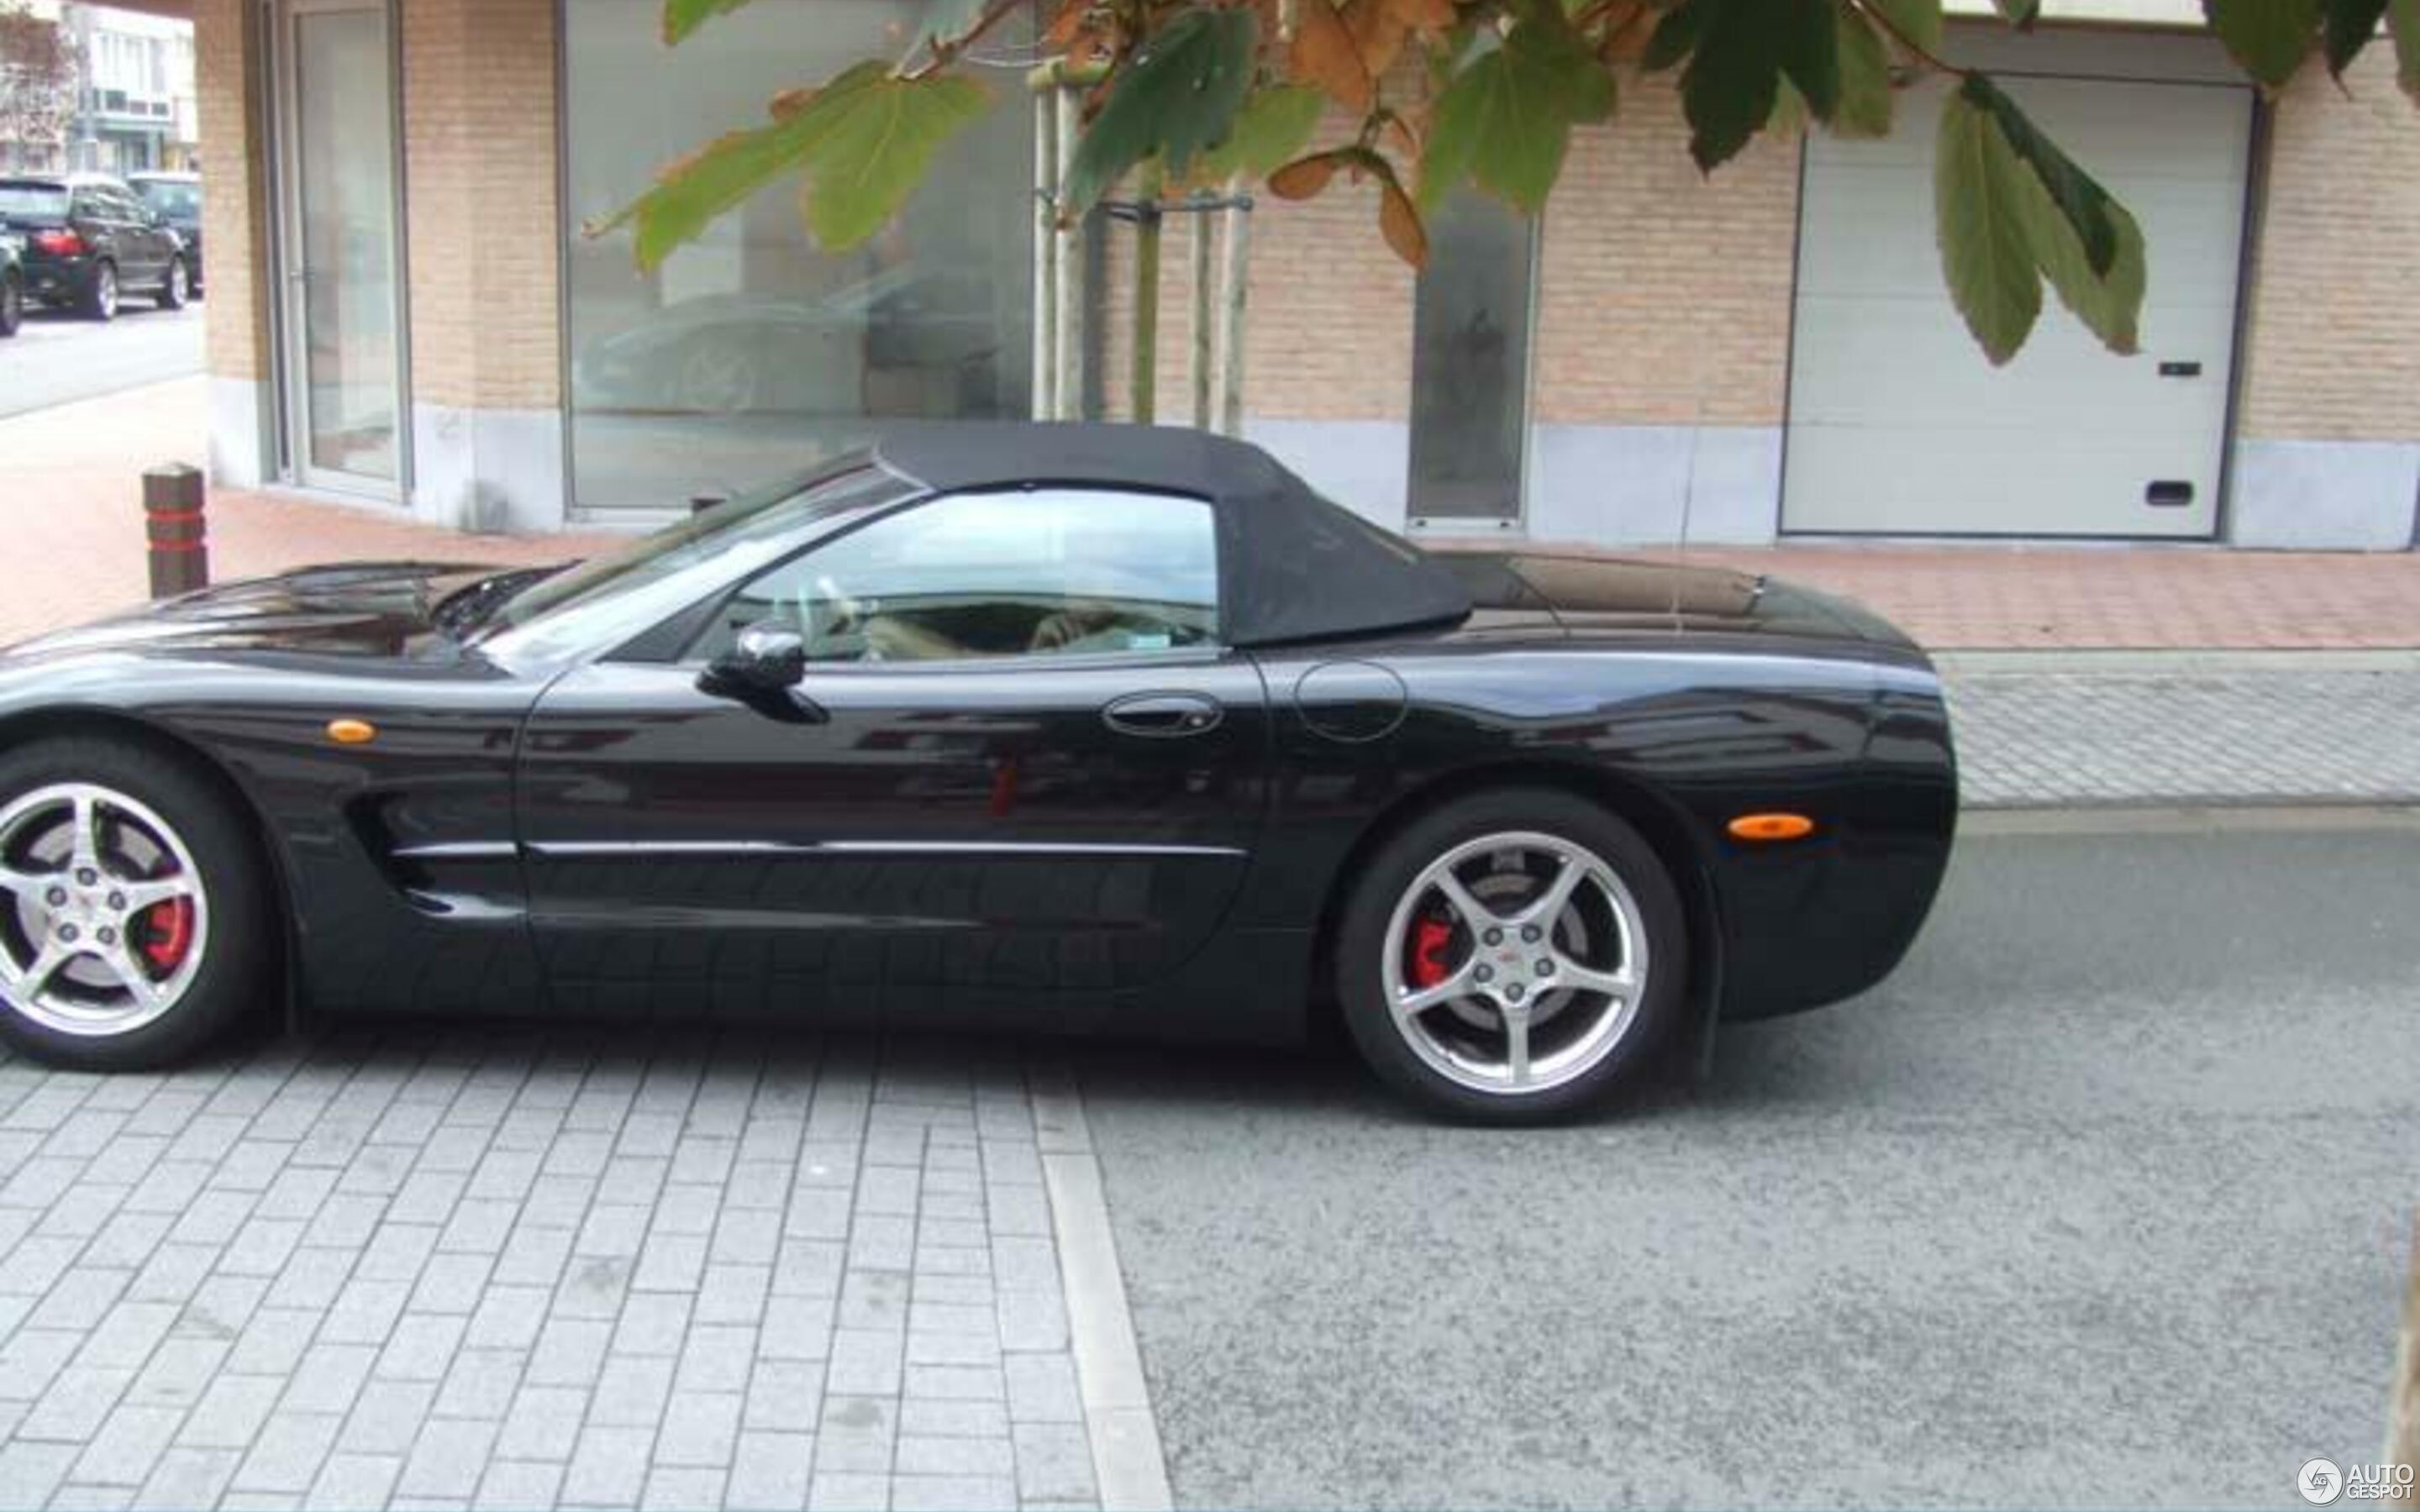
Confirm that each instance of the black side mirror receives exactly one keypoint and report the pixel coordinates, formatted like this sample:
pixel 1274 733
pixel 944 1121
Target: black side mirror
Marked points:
pixel 766 658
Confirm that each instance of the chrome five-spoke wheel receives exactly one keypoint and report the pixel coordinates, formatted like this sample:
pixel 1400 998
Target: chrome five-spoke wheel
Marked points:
pixel 1514 961
pixel 103 917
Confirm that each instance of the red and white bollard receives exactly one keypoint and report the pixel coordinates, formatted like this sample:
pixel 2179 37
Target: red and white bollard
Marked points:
pixel 173 524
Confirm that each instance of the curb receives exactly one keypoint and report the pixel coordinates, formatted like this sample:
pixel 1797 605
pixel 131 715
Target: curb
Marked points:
pixel 1129 1469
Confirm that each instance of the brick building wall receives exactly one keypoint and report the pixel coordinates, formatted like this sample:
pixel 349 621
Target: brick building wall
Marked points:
pixel 480 202
pixel 2329 419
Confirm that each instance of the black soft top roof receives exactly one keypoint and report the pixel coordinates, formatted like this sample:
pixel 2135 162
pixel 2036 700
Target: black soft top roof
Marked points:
pixel 1294 566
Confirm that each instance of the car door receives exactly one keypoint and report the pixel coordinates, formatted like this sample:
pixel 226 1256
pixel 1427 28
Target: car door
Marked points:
pixel 1018 775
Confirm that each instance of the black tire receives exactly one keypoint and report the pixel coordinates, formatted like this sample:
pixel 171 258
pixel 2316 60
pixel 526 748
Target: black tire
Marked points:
pixel 172 285
pixel 99 300
pixel 238 945
pixel 1361 944
pixel 12 303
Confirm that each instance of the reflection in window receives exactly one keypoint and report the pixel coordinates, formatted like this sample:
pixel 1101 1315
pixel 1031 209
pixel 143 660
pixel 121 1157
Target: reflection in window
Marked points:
pixel 751 353
pixel 1471 363
pixel 1031 572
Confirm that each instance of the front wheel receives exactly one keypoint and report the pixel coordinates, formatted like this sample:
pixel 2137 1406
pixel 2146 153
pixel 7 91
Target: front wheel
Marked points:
pixel 1511 956
pixel 134 923
pixel 12 303
pixel 173 288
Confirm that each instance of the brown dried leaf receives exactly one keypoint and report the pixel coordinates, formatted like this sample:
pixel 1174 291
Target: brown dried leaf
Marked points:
pixel 1326 53
pixel 1628 25
pixel 1401 225
pixel 1424 15
pixel 1379 33
pixel 1069 20
pixel 1304 178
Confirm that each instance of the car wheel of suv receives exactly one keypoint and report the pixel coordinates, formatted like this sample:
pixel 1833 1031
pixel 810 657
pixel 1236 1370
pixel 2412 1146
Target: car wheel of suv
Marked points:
pixel 12 305
pixel 1511 957
pixel 173 288
pixel 101 296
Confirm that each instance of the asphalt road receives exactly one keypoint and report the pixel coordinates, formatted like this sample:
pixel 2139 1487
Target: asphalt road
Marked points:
pixel 2101 1201
pixel 57 356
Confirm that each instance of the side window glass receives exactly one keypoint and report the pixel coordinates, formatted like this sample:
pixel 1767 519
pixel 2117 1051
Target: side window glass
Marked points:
pixel 1023 572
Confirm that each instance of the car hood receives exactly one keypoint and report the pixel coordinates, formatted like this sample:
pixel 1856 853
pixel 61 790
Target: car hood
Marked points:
pixel 361 609
pixel 1606 594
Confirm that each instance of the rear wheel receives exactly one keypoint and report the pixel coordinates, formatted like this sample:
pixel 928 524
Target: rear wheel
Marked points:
pixel 1512 956
pixel 173 288
pixel 100 295
pixel 135 919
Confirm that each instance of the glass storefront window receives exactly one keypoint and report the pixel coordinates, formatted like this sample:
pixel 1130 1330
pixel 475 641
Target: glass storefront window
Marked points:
pixel 751 353
pixel 1471 363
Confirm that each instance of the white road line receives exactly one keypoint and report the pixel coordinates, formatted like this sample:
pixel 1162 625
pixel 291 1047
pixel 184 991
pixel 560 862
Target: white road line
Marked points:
pixel 1127 1462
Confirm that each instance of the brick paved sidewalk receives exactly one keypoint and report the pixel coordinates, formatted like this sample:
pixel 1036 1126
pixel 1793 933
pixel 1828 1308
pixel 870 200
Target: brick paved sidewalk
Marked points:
pixel 67 502
pixel 487 1268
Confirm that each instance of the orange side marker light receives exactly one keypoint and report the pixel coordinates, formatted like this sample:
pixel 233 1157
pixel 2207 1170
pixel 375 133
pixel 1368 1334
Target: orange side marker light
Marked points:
pixel 351 731
pixel 1766 827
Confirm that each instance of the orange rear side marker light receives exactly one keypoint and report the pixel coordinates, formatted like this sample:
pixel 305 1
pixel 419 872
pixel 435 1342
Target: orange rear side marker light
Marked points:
pixel 351 731
pixel 1767 827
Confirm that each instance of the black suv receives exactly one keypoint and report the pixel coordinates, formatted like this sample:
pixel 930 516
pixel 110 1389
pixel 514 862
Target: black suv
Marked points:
pixel 176 198
pixel 88 239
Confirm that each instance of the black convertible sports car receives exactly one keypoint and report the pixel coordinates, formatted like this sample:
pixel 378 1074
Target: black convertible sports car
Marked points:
pixel 1062 726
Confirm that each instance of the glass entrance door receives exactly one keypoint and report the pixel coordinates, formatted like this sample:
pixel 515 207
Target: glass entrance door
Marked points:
pixel 343 360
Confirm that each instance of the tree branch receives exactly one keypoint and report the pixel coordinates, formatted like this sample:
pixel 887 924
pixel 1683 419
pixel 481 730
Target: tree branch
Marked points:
pixel 1915 49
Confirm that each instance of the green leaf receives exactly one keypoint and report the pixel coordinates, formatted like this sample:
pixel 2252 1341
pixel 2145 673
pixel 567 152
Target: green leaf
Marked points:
pixel 878 147
pixel 1734 75
pixel 682 16
pixel 1988 256
pixel 2078 195
pixel 2270 37
pixel 2403 19
pixel 1864 105
pixel 1504 122
pixel 2347 28
pixel 1676 35
pixel 2111 307
pixel 1918 21
pixel 865 140
pixel 1177 97
pixel 1272 127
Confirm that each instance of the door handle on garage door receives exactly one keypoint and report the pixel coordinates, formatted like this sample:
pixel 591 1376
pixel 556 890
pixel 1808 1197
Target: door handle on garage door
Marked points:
pixel 1164 716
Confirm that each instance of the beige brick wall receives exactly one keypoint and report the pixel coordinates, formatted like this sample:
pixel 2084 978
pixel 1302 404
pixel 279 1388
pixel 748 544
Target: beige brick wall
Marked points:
pixel 1664 295
pixel 226 54
pixel 1659 290
pixel 2334 351
pixel 480 202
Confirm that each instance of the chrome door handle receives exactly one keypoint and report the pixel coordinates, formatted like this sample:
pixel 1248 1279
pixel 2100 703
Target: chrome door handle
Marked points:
pixel 1164 716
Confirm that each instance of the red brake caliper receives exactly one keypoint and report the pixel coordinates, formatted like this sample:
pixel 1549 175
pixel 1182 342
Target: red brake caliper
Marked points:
pixel 1430 936
pixel 171 932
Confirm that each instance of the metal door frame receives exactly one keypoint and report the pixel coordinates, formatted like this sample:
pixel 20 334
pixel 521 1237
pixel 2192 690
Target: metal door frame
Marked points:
pixel 288 321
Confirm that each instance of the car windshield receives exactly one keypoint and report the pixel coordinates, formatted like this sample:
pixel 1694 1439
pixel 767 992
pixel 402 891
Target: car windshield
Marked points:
pixel 620 594
pixel 32 203
pixel 174 199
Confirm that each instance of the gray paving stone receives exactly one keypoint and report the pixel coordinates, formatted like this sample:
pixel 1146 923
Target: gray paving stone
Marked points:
pixel 950 1493
pixel 386 1417
pixel 355 1481
pixel 699 1428
pixel 287 1454
pixel 232 1412
pixel 682 1489
pixel 855 1433
pixel 1054 1462
pixel 187 1477
pixel 608 1468
pixel 449 1458
pixel 518 1485
pixel 837 1492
